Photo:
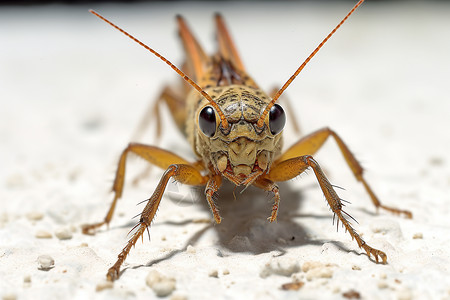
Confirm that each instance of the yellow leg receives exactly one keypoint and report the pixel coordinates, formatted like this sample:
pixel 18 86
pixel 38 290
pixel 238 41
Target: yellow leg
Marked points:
pixel 154 155
pixel 183 173
pixel 177 109
pixel 311 143
pixel 290 168
pixel 212 186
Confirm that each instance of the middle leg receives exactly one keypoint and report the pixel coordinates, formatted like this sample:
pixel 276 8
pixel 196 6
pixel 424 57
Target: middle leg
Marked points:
pixel 290 168
pixel 177 108
pixel 182 173
pixel 154 155
pixel 311 143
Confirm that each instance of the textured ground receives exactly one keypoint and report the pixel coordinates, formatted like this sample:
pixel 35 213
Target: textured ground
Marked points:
pixel 72 91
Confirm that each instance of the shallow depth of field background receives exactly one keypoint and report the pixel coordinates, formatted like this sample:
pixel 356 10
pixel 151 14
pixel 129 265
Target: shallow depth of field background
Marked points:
pixel 73 90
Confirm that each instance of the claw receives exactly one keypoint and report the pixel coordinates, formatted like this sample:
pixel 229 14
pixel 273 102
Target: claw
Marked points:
pixel 382 255
pixel 90 229
pixel 273 217
pixel 377 254
pixel 112 274
pixel 405 213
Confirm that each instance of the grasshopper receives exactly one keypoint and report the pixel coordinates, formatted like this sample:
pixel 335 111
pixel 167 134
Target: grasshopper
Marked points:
pixel 235 130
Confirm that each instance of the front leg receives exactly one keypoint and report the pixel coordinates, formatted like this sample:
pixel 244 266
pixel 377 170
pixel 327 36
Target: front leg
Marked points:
pixel 311 143
pixel 270 186
pixel 290 168
pixel 212 187
pixel 154 155
pixel 182 173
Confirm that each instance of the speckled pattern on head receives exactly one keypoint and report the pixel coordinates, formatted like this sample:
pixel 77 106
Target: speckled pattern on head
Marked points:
pixel 243 146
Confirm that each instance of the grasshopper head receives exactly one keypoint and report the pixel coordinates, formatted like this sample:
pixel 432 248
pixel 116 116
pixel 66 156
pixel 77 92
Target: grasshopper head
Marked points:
pixel 242 148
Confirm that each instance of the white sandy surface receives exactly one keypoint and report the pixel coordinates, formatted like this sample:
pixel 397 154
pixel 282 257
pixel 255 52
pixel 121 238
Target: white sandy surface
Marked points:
pixel 72 92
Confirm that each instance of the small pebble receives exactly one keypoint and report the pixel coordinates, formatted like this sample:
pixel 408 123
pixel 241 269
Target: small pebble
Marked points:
pixel 382 284
pixel 311 265
pixel 284 266
pixel 292 286
pixel 213 273
pixel 9 296
pixel 178 297
pixel 226 272
pixel 325 272
pixel 42 234
pixel 26 281
pixel 104 285
pixel 190 249
pixel 34 216
pixel 356 268
pixel 315 269
pixel 63 234
pixel 352 294
pixel 418 235
pixel 45 262
pixel 386 227
pixel 336 289
pixel 161 285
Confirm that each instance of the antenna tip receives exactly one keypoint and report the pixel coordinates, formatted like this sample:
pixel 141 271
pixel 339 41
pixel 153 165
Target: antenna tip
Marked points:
pixel 94 12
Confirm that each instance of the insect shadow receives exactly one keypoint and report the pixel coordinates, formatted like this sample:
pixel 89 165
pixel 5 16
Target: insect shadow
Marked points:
pixel 245 228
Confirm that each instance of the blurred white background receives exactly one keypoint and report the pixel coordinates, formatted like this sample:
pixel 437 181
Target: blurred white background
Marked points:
pixel 73 90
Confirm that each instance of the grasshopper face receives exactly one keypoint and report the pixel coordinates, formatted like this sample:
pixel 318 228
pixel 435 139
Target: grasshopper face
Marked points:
pixel 243 148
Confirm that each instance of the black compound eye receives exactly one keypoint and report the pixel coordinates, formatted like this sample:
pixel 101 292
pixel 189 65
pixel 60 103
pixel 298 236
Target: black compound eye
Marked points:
pixel 207 121
pixel 277 119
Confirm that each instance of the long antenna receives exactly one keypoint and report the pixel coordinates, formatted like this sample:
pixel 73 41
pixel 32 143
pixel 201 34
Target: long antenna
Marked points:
pixel 183 75
pixel 260 122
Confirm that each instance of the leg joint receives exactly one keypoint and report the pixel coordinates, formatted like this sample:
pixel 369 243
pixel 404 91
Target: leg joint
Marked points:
pixel 309 160
pixel 172 168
